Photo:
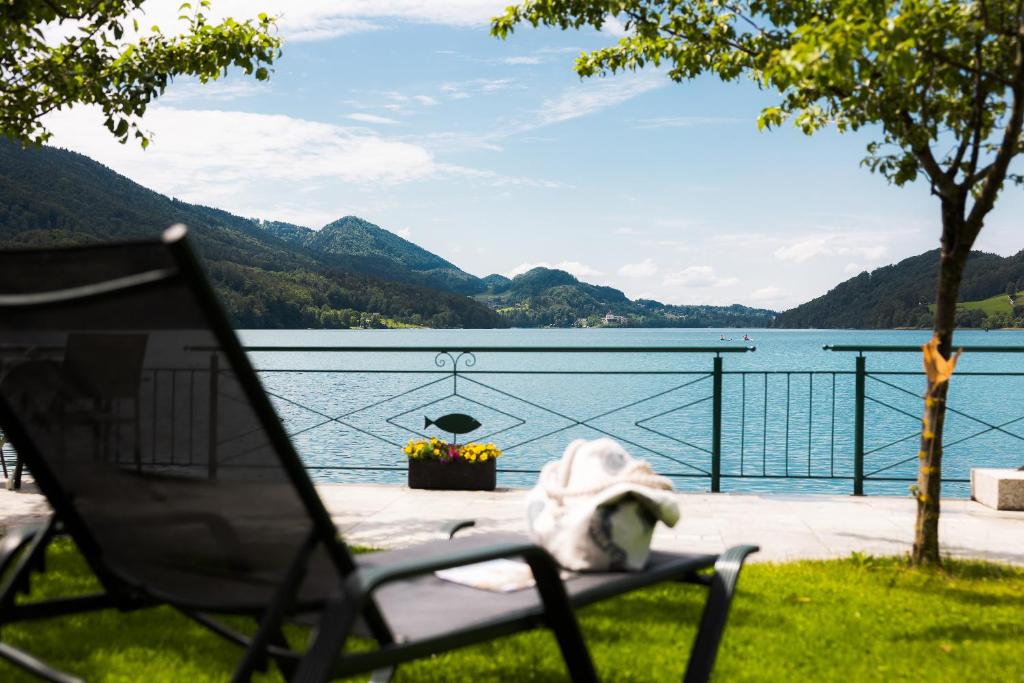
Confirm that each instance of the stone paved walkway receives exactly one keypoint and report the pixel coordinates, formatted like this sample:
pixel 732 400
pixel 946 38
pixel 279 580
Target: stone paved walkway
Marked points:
pixel 785 526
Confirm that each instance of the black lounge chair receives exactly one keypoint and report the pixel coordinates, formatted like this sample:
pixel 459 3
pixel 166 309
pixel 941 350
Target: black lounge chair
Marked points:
pixel 204 505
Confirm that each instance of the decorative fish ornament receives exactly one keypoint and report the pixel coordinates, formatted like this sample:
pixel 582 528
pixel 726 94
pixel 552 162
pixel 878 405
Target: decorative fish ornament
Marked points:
pixel 453 423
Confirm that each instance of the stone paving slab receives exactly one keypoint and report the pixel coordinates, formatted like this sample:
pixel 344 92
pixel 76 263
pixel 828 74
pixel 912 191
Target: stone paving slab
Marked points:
pixel 787 527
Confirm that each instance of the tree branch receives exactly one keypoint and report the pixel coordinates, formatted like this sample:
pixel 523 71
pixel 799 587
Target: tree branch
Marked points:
pixel 707 39
pixel 976 123
pixel 924 154
pixel 1008 148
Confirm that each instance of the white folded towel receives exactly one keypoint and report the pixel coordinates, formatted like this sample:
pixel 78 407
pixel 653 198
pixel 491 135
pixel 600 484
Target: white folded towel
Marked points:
pixel 595 509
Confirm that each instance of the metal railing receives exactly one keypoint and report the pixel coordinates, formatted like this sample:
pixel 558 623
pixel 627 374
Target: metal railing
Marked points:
pixel 458 380
pixel 884 380
pixel 349 410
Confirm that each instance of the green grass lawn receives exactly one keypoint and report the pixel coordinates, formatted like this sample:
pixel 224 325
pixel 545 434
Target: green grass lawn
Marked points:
pixel 859 619
pixel 991 306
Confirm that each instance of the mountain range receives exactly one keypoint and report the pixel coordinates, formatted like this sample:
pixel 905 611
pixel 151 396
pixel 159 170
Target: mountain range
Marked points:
pixel 279 275
pixel 899 295
pixel 352 273
pixel 50 196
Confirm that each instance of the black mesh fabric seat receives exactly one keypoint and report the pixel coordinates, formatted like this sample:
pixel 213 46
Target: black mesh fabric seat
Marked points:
pixel 411 607
pixel 127 394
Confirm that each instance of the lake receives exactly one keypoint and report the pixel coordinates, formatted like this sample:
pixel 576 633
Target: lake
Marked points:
pixel 784 428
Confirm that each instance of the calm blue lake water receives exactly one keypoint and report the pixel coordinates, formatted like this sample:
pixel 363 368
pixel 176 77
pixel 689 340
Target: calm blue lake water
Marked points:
pixel 784 428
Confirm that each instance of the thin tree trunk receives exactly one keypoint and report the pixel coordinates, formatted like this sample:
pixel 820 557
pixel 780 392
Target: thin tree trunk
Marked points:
pixel 929 477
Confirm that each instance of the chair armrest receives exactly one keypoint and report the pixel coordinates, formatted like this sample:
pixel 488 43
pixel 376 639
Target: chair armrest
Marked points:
pixel 449 529
pixel 371 578
pixel 729 564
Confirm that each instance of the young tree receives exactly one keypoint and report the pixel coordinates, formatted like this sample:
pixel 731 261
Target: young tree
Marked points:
pixel 57 53
pixel 1011 289
pixel 942 80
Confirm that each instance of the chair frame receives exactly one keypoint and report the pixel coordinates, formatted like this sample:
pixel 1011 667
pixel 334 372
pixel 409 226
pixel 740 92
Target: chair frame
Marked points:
pixel 22 553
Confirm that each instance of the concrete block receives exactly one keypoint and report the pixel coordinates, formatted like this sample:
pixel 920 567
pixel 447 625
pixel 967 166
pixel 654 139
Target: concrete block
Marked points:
pixel 1000 489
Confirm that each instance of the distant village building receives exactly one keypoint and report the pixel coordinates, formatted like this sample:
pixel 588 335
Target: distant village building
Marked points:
pixel 612 319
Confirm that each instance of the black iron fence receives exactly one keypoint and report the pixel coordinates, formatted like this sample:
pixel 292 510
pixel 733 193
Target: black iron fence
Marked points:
pixel 350 410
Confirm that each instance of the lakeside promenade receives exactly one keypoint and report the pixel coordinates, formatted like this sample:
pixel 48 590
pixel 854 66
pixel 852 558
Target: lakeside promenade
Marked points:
pixel 787 527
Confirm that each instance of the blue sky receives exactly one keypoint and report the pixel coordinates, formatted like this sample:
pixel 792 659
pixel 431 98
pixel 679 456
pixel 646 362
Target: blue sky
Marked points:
pixel 496 156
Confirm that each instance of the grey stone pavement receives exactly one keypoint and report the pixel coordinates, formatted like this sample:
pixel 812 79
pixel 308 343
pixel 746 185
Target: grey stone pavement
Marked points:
pixel 787 527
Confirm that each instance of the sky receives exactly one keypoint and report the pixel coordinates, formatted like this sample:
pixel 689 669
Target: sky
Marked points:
pixel 496 156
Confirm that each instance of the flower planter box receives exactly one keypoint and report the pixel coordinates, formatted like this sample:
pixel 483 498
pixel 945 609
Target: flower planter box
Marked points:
pixel 455 475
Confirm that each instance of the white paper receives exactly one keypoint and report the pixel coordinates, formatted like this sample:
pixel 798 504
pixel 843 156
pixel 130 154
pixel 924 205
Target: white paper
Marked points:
pixel 498 576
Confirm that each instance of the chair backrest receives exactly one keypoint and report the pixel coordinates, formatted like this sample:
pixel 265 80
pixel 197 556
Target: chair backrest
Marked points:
pixel 105 366
pixel 206 487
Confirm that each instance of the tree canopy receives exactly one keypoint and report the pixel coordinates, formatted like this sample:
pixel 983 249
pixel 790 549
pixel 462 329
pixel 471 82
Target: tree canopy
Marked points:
pixel 57 53
pixel 937 76
pixel 943 80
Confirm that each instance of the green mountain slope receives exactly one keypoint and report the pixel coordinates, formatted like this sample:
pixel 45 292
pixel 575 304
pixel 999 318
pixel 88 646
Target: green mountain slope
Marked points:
pixel 547 297
pixel 51 196
pixel 364 247
pixel 899 295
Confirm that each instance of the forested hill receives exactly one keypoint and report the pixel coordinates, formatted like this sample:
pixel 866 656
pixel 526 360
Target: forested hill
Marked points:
pixel 368 248
pixel 899 295
pixel 52 196
pixel 548 297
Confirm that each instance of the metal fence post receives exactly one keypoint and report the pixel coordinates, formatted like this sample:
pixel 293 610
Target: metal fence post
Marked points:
pixel 211 454
pixel 716 426
pixel 858 429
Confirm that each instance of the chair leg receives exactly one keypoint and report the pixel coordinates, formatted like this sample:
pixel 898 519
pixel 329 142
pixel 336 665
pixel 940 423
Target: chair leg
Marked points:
pixel 19 466
pixel 286 666
pixel 574 650
pixel 561 619
pixel 716 612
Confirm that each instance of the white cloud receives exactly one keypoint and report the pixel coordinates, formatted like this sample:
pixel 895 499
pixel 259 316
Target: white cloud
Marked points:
pixel 768 293
pixel 870 247
pixel 311 20
pixel 628 231
pixel 213 91
pixel 521 60
pixel 687 121
pixel 405 233
pixel 575 268
pixel 804 249
pixel 854 269
pixel 614 27
pixel 645 268
pixel 199 155
pixel 697 277
pixel 461 90
pixel 498 180
pixel 371 118
pixel 425 100
pixel 303 28
pixel 595 95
